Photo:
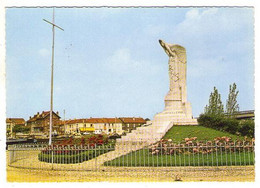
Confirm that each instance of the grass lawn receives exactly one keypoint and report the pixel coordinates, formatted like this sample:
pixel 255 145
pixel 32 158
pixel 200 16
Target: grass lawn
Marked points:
pixel 144 158
pixel 178 133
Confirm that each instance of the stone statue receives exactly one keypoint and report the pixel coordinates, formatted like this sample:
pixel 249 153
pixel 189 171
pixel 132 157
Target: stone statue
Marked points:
pixel 177 109
pixel 177 70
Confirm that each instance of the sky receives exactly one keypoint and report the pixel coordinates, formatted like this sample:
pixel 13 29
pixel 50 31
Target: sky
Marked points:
pixel 108 61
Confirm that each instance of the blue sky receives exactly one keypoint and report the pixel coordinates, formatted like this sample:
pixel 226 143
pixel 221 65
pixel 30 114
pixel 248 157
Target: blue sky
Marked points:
pixel 108 61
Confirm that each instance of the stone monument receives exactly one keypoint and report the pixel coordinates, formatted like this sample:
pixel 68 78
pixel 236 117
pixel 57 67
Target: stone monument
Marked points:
pixel 177 108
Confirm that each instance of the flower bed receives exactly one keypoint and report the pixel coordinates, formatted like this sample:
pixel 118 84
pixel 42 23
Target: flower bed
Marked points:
pixel 221 151
pixel 192 146
pixel 75 150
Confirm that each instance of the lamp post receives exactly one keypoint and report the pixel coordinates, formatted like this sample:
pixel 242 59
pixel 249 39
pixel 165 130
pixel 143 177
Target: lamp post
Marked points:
pixel 52 66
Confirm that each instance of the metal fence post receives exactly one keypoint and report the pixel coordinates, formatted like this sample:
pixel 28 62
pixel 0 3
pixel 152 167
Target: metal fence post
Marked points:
pixel 95 157
pixel 52 157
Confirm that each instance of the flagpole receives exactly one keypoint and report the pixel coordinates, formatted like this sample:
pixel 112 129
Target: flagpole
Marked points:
pixel 52 67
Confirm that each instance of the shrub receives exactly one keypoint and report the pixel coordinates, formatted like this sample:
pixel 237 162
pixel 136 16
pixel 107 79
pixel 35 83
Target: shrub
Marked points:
pixel 212 121
pixel 247 128
pixel 230 125
pixel 71 154
pixel 227 124
pixel 66 157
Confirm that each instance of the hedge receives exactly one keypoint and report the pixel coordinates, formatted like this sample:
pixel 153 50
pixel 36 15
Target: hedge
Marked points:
pixel 73 156
pixel 231 125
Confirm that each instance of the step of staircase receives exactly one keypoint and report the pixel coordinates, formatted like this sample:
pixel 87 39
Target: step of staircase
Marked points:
pixel 137 139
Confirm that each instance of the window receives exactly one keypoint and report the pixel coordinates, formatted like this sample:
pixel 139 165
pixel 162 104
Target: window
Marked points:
pixel 91 125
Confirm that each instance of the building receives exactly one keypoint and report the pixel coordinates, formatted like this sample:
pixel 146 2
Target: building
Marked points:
pixel 40 123
pixel 77 126
pixel 131 123
pixel 10 123
pixel 106 125
pixel 93 125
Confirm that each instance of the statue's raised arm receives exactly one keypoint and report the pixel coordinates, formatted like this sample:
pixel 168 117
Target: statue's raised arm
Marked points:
pixel 177 69
pixel 167 48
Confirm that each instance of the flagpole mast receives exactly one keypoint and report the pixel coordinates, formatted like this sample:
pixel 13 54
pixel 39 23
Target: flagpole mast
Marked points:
pixel 52 67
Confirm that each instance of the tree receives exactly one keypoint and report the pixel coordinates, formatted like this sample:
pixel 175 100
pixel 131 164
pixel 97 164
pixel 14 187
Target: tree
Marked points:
pixel 231 105
pixel 215 106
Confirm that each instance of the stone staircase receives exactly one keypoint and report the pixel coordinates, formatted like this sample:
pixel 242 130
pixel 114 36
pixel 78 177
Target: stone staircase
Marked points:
pixel 137 139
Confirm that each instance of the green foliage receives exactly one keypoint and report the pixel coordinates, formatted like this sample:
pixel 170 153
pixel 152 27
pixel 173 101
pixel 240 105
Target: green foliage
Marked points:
pixel 219 123
pixel 215 106
pixel 214 115
pixel 228 124
pixel 20 129
pixel 68 155
pixel 231 106
pixel 247 128
pixel 78 157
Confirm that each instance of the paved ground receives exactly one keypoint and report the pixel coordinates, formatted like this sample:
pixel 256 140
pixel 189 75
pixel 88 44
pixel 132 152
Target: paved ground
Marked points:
pixel 86 172
pixel 134 174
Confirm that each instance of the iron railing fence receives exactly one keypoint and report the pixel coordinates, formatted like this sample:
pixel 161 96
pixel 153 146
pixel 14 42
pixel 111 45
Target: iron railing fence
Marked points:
pixel 128 155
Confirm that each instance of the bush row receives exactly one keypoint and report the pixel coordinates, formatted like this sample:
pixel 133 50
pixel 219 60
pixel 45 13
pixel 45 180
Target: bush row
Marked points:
pixel 70 157
pixel 66 159
pixel 231 125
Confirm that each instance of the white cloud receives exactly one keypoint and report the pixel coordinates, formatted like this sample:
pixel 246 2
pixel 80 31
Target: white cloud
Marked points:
pixel 44 52
pixel 198 22
pixel 122 62
pixel 211 22
pixel 192 14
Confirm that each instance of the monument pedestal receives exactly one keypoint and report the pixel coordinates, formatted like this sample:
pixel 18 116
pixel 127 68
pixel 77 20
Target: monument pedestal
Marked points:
pixel 177 110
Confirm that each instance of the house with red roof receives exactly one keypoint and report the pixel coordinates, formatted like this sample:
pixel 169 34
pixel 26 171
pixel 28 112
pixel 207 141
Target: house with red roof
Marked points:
pixel 40 123
pixel 131 123
pixel 106 125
